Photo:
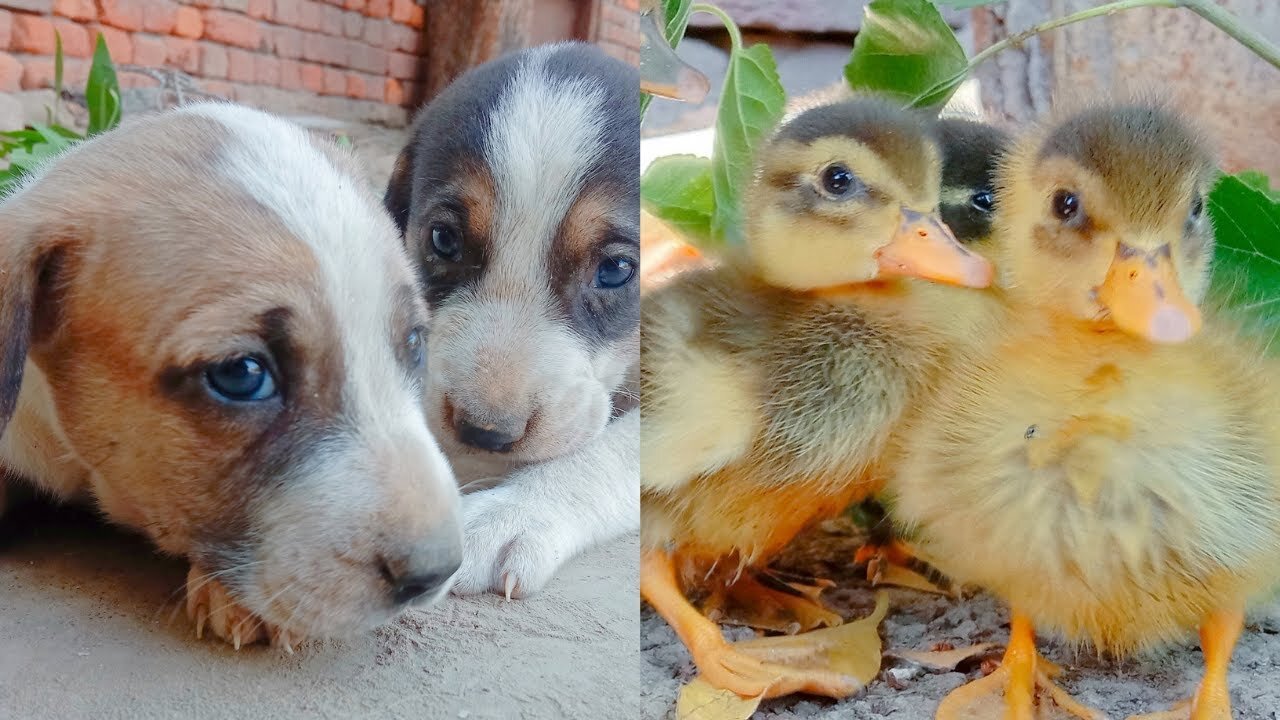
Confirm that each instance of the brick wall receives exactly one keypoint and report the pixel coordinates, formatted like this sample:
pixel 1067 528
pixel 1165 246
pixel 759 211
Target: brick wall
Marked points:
pixel 356 59
pixel 347 59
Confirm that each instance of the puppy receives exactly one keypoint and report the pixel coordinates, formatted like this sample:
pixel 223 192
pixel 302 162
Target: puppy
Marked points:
pixel 518 198
pixel 211 331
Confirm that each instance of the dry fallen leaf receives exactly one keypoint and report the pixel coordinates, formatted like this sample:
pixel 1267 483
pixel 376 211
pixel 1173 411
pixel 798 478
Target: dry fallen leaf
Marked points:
pixel 942 659
pixel 700 701
pixel 852 650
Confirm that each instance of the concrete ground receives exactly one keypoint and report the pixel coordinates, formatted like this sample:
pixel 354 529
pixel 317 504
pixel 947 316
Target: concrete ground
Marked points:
pixel 92 626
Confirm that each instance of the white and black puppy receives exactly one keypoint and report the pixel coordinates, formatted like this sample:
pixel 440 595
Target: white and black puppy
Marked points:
pixel 518 196
pixel 209 328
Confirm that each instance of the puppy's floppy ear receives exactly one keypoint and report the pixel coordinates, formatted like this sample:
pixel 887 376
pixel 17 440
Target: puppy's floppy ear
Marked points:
pixel 31 261
pixel 399 195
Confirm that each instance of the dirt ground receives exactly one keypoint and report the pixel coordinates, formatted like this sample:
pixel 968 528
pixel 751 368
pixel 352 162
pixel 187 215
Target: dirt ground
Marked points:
pixel 91 626
pixel 918 621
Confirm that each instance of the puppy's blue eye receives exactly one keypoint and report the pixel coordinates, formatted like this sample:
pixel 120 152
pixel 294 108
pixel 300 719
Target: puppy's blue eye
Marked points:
pixel 445 241
pixel 415 348
pixel 614 272
pixel 983 201
pixel 241 379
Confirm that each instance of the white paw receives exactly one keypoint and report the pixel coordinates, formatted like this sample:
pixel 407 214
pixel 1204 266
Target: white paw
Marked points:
pixel 508 545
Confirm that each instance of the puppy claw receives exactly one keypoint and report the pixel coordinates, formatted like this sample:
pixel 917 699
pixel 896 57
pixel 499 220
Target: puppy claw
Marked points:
pixel 510 583
pixel 281 639
pixel 202 617
pixel 235 638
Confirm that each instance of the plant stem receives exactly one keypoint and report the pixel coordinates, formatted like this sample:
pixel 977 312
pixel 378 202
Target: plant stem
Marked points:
pixel 735 36
pixel 1207 9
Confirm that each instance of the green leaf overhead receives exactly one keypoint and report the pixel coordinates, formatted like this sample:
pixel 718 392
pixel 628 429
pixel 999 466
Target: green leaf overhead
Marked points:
pixel 102 91
pixel 906 51
pixel 751 104
pixel 677 189
pixel 966 4
pixel 1246 271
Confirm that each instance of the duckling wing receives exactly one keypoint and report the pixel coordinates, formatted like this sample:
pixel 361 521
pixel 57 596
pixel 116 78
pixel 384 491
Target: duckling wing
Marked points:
pixel 699 400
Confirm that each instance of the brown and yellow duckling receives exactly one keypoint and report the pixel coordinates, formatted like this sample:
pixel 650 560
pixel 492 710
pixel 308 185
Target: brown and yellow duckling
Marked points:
pixel 1105 467
pixel 771 382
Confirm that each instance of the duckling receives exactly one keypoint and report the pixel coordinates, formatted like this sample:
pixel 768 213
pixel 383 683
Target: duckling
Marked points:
pixel 770 381
pixel 970 152
pixel 1102 465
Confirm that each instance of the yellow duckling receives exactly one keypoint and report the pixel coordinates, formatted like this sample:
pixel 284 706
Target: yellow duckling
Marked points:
pixel 770 382
pixel 1108 471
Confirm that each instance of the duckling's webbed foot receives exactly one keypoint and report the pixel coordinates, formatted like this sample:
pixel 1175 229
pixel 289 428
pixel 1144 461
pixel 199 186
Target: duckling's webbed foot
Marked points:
pixel 1218 634
pixel 768 599
pixel 1022 688
pixel 891 561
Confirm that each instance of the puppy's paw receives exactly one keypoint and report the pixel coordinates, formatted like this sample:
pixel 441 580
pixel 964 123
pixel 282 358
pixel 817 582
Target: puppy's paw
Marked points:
pixel 211 608
pixel 508 548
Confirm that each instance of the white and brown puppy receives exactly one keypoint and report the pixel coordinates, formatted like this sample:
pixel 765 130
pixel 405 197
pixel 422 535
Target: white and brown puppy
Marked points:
pixel 518 196
pixel 208 327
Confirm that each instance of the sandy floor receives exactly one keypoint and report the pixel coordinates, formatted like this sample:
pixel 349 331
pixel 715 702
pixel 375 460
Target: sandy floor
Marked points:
pixel 91 626
pixel 920 621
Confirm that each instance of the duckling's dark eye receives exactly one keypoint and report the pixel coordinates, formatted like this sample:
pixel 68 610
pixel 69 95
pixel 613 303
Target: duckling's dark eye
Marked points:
pixel 445 241
pixel 614 272
pixel 1197 209
pixel 415 348
pixel 1065 204
pixel 837 180
pixel 241 379
pixel 983 201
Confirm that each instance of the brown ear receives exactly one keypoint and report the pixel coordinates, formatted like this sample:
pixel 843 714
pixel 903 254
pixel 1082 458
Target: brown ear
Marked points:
pixel 31 261
pixel 399 195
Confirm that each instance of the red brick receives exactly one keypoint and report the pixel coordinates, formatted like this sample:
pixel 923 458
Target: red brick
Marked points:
pixel 402 66
pixel 38 73
pixel 213 60
pixel 32 34
pixel 260 9
pixel 402 37
pixel 287 43
pixel 378 8
pixel 393 92
pixel 355 85
pixel 10 73
pixel 75 39
pixel 43 7
pixel 368 59
pixel 119 44
pixel 312 77
pixel 331 21
pixel 188 23
pixel 374 32
pixel 123 14
pixel 240 65
pixel 308 15
pixel 220 89
pixel 150 51
pixel 407 12
pixel 232 29
pixel 290 75
pixel 335 82
pixel 266 70
pixel 357 5
pixel 353 25
pixel 83 10
pixel 161 16
pixel 183 54
pixel 286 12
pixel 6 29
pixel 323 49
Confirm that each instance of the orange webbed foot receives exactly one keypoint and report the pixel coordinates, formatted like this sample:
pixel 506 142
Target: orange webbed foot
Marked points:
pixel 1219 631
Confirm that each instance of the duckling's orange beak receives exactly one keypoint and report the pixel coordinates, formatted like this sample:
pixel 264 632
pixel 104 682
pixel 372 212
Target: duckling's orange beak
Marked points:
pixel 924 247
pixel 1145 299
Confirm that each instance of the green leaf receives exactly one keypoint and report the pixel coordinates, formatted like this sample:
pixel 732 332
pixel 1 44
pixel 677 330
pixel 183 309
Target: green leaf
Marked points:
pixel 51 137
pixel 1246 270
pixel 965 4
pixel 102 92
pixel 57 78
pixel 677 189
pixel 751 104
pixel 1258 180
pixel 673 23
pixel 906 51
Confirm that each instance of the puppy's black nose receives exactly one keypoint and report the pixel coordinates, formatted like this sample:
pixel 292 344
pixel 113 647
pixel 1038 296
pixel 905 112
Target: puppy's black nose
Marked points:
pixel 410 580
pixel 498 436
